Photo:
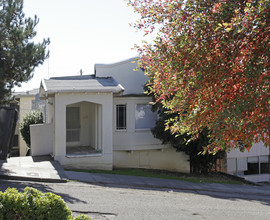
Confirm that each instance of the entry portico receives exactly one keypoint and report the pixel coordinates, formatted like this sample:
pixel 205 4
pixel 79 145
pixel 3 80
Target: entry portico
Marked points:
pixel 80 119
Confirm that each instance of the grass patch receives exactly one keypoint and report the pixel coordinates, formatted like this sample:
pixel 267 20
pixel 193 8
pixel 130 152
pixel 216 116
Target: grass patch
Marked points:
pixel 194 178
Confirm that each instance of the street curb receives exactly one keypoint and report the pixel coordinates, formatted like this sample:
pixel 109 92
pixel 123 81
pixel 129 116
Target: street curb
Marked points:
pixel 162 187
pixel 34 179
pixel 240 179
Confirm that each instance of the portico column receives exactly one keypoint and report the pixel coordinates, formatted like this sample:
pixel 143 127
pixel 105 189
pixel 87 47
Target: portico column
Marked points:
pixel 59 128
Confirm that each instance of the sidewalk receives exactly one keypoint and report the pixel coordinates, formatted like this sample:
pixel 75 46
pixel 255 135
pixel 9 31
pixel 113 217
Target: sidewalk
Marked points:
pixel 167 184
pixel 40 169
pixel 44 169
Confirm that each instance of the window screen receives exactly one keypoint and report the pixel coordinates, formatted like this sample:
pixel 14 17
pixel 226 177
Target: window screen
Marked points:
pixel 121 117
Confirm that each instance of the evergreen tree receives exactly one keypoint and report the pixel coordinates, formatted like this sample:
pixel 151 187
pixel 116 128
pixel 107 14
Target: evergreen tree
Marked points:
pixel 19 54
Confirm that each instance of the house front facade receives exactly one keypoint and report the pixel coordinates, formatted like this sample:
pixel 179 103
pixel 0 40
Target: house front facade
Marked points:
pixel 103 121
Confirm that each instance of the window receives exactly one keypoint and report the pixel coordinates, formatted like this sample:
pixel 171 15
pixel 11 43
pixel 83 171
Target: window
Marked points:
pixel 264 168
pixel 145 118
pixel 258 165
pixel 264 164
pixel 253 168
pixel 121 117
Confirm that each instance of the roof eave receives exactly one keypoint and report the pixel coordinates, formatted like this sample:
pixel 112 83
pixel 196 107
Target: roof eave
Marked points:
pixel 119 90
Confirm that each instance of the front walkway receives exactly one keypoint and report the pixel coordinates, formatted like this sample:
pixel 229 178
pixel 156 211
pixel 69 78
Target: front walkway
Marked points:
pixel 37 168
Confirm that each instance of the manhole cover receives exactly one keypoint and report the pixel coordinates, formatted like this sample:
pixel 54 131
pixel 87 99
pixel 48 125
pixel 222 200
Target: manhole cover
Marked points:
pixel 32 174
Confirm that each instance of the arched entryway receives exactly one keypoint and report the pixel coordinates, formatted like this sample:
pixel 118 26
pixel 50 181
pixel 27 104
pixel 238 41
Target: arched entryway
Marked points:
pixel 83 129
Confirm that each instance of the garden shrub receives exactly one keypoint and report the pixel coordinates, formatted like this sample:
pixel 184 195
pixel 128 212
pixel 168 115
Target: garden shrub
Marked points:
pixel 82 217
pixel 31 118
pixel 33 204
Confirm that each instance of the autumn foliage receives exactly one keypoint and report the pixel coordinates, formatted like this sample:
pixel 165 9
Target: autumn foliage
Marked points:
pixel 209 62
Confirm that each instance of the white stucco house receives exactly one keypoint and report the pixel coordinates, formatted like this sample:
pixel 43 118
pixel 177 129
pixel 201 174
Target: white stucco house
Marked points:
pixel 102 121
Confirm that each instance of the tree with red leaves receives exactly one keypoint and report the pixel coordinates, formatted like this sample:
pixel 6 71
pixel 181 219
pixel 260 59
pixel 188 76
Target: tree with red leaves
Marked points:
pixel 209 62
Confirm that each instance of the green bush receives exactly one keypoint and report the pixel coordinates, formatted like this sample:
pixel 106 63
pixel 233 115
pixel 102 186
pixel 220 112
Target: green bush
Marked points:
pixel 30 119
pixel 33 204
pixel 82 217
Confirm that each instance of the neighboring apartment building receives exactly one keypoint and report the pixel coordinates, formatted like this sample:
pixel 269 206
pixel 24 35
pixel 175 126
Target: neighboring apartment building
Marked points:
pixel 252 165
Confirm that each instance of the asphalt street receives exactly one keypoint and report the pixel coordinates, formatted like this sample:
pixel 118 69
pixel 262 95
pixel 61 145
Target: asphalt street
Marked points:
pixel 125 202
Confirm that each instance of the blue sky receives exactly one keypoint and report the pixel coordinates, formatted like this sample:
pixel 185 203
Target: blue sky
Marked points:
pixel 82 33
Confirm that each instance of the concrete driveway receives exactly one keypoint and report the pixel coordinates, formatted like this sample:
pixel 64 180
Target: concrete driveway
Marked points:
pixel 39 168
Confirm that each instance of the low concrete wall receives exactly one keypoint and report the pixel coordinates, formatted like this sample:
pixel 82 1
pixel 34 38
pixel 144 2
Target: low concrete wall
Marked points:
pixel 258 178
pixel 100 161
pixel 41 139
pixel 165 159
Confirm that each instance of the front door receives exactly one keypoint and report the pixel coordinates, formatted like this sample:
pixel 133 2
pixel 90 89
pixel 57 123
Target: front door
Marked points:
pixel 73 126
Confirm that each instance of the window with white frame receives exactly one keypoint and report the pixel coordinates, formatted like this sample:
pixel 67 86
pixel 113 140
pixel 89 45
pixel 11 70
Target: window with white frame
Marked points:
pixel 121 117
pixel 145 118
